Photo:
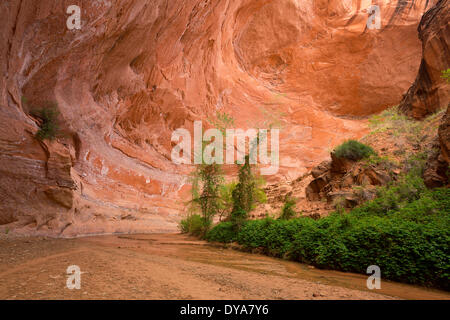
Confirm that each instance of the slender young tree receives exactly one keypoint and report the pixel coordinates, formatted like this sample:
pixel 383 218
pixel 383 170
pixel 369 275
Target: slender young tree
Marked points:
pixel 207 181
pixel 243 195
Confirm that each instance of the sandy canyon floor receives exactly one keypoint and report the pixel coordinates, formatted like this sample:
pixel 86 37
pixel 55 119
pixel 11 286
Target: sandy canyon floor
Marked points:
pixel 172 266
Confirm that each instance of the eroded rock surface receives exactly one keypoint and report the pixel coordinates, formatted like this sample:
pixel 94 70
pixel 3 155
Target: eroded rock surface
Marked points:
pixel 430 92
pixel 438 163
pixel 137 70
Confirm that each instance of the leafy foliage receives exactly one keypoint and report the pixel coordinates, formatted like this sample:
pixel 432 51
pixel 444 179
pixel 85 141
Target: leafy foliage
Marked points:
pixel 394 197
pixel 226 200
pixel 244 191
pixel 246 194
pixel 405 231
pixel 192 224
pixel 223 232
pixel 232 201
pixel 207 183
pixel 353 150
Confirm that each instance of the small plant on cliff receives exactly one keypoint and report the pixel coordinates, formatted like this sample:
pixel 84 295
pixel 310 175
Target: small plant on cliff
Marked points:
pixel 353 150
pixel 48 116
pixel 288 210
pixel 446 75
pixel 339 204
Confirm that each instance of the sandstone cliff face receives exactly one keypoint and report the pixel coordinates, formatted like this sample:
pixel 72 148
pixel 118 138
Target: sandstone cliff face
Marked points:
pixel 137 70
pixel 438 163
pixel 430 92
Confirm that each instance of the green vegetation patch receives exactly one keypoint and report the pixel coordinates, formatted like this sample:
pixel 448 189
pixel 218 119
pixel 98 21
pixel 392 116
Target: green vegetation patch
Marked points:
pixel 405 231
pixel 223 232
pixel 353 150
pixel 49 127
pixel 288 210
pixel 193 224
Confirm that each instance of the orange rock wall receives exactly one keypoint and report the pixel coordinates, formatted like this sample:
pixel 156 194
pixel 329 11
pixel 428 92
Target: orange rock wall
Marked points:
pixel 430 91
pixel 137 70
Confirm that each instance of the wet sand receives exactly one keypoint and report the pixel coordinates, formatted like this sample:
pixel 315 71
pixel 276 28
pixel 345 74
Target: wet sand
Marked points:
pixel 173 266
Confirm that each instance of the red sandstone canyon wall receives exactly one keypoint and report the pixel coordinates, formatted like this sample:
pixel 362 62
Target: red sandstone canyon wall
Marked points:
pixel 137 70
pixel 430 91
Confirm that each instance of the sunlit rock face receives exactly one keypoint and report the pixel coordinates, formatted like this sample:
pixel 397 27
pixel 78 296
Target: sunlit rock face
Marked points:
pixel 137 70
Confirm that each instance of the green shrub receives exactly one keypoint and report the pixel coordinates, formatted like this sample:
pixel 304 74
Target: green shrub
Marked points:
pixel 414 164
pixel 223 232
pixel 253 234
pixel 393 197
pixel 353 150
pixel 280 235
pixel 49 127
pixel 405 231
pixel 288 210
pixel 193 224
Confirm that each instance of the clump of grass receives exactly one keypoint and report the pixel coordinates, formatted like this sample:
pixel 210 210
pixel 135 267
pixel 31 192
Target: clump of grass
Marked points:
pixel 193 224
pixel 288 211
pixel 382 162
pixel 354 150
pixel 414 163
pixel 49 127
pixel 395 123
pixel 377 160
pixel 434 118
pixel 339 204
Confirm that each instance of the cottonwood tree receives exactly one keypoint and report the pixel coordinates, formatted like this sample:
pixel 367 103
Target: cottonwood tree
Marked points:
pixel 207 181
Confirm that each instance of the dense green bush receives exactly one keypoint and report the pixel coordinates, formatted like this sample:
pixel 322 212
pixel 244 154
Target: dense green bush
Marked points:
pixel 274 236
pixel 405 251
pixel 405 231
pixel 193 224
pixel 223 232
pixel 353 150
